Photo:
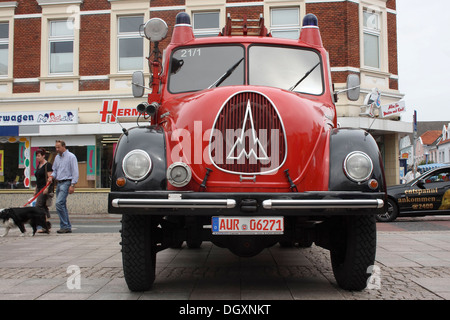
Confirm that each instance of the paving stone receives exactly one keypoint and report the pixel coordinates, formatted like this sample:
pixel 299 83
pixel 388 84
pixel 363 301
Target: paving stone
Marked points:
pixel 411 266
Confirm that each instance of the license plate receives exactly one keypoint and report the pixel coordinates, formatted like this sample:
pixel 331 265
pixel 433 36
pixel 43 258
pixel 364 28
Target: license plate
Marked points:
pixel 247 225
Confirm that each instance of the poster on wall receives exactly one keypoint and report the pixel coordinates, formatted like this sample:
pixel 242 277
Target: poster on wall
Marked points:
pixel 2 153
pixel 90 168
pixel 38 117
pixel 21 155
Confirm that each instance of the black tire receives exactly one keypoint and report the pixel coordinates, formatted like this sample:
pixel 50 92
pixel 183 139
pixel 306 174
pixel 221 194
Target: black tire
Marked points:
pixel 194 244
pixel 138 252
pixel 391 212
pixel 287 244
pixel 353 251
pixel 194 233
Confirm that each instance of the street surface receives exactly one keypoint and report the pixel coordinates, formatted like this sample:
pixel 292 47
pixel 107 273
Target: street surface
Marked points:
pixel 412 263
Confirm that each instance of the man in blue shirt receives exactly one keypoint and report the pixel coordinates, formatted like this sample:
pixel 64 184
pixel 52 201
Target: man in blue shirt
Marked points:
pixel 65 172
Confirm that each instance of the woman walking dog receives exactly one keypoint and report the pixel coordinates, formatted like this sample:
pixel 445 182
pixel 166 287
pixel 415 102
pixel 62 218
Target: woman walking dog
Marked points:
pixel 42 173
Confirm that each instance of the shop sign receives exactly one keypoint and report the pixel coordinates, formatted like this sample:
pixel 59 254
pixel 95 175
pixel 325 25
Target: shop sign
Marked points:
pixel 393 109
pixel 111 111
pixel 21 118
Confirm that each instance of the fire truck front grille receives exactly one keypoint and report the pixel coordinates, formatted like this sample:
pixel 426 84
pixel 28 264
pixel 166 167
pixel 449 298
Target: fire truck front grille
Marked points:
pixel 248 136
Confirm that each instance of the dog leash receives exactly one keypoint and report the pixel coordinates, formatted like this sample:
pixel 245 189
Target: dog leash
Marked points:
pixel 42 190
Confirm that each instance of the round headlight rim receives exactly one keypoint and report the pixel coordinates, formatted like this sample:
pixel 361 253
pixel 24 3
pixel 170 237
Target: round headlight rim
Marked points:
pixel 188 177
pixel 161 24
pixel 347 173
pixel 147 172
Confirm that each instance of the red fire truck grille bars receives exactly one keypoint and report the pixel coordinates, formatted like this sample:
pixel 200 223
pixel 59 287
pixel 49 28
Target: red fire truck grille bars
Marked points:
pixel 248 136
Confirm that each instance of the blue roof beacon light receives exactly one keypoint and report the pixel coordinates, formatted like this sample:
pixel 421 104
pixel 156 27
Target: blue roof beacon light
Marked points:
pixel 182 33
pixel 183 18
pixel 310 20
pixel 310 33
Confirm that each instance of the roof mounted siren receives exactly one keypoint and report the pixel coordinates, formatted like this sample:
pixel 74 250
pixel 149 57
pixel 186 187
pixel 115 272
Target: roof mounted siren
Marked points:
pixel 182 32
pixel 310 32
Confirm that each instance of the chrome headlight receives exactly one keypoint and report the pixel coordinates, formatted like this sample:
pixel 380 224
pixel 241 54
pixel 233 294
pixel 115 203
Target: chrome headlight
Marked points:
pixel 179 174
pixel 136 165
pixel 358 166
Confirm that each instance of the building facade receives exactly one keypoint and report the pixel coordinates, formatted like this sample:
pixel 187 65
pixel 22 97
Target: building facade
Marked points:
pixel 66 65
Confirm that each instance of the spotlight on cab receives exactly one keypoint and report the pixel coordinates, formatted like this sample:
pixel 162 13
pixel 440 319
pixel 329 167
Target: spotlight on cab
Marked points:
pixel 148 108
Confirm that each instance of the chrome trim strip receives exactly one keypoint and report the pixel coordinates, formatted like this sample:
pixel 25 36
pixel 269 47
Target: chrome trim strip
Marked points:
pixel 323 204
pixel 175 203
pixel 270 204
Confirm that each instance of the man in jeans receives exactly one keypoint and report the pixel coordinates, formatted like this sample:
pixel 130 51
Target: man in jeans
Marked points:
pixel 65 172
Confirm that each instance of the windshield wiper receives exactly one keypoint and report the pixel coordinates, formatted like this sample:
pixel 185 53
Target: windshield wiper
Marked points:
pixel 304 77
pixel 225 75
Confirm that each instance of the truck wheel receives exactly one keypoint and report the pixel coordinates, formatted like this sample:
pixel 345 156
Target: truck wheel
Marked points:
pixel 138 252
pixel 391 212
pixel 194 232
pixel 353 251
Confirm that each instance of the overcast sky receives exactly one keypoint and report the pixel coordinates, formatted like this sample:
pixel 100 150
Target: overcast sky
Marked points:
pixel 424 58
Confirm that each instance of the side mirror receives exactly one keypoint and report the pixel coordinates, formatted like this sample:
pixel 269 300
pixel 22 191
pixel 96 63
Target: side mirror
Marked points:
pixel 138 82
pixel 353 87
pixel 421 183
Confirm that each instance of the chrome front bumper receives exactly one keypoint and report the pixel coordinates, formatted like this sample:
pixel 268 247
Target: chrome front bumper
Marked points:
pixel 235 203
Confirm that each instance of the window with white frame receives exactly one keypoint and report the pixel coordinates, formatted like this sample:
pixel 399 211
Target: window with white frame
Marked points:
pixel 130 43
pixel 285 23
pixel 372 34
pixel 4 47
pixel 206 24
pixel 61 42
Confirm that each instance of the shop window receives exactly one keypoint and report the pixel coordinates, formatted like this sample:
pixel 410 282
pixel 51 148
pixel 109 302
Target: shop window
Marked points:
pixel 285 23
pixel 372 33
pixel 61 40
pixel 12 169
pixel 130 43
pixel 206 24
pixel 4 47
pixel 18 172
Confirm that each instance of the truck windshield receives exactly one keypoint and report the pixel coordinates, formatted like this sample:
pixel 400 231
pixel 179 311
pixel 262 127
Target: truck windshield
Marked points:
pixel 291 69
pixel 198 68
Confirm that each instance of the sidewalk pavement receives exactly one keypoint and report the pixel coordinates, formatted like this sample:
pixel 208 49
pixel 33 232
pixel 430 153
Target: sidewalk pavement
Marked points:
pixel 87 266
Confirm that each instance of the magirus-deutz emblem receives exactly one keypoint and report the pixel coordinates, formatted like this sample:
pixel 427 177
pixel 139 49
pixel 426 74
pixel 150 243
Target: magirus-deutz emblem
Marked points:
pixel 248 136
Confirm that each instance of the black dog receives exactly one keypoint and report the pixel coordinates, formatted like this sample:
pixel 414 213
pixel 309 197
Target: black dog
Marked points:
pixel 17 217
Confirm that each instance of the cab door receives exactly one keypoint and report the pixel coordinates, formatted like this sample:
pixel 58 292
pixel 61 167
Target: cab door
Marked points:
pixel 435 193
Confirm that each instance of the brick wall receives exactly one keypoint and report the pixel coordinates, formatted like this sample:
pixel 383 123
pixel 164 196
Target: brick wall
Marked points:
pixel 339 26
pixel 27 53
pixel 391 4
pixel 338 21
pixel 94 50
pixel 94 44
pixel 165 3
pixel 251 13
pixel 234 1
pixel 26 6
pixel 95 5
pixel 26 87
pixel 91 85
pixel 169 17
pixel 392 48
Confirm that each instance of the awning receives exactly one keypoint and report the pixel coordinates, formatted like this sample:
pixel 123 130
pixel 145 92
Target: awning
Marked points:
pixel 426 167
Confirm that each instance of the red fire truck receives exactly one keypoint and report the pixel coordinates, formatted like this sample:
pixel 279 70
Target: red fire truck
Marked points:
pixel 242 148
